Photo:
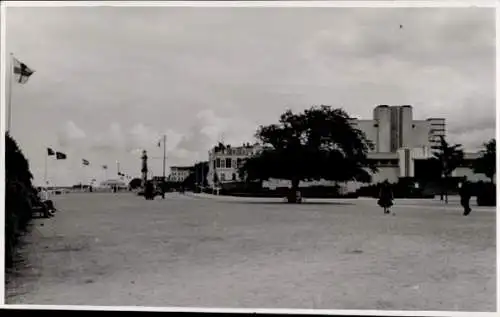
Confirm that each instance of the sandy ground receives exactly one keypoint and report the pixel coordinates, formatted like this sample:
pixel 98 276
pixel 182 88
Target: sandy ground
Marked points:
pixel 186 250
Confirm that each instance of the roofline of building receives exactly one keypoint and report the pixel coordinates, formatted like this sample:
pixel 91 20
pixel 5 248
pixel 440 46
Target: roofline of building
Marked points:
pixel 435 118
pixel 182 167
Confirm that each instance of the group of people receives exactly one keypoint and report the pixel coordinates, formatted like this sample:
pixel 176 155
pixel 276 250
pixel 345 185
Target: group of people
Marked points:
pixel 386 197
pixel 43 201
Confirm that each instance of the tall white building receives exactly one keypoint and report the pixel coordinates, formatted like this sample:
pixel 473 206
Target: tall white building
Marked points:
pixel 400 143
pixel 393 128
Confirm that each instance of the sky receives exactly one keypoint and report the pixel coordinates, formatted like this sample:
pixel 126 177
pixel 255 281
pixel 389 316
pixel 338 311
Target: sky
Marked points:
pixel 110 81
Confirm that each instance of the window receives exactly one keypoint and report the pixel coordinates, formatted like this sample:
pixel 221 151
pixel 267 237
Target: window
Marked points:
pixel 228 163
pixel 222 176
pixel 234 176
pixel 238 162
pixel 217 163
pixel 223 163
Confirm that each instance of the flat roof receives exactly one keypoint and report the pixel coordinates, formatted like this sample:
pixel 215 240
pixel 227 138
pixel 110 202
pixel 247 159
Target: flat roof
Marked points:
pixel 181 167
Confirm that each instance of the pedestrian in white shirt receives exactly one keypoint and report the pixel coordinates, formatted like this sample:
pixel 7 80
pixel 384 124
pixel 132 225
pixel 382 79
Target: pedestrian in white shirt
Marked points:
pixel 43 194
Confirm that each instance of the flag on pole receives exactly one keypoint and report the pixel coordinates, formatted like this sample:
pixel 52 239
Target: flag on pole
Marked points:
pixel 21 71
pixel 60 156
pixel 159 143
pixel 104 167
pixel 50 152
pixel 85 162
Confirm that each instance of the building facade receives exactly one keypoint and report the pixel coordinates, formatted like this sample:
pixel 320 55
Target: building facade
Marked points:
pixel 179 173
pixel 393 128
pixel 401 145
pixel 224 160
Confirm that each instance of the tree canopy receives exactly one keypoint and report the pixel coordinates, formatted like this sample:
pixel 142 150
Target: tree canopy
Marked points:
pixel 450 156
pixel 486 163
pixel 135 183
pixel 319 143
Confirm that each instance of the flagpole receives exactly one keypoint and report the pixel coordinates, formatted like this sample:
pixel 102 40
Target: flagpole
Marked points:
pixel 164 154
pixel 9 100
pixel 45 172
pixel 81 184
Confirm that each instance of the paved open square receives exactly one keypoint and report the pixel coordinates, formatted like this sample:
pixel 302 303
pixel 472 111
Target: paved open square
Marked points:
pixel 187 250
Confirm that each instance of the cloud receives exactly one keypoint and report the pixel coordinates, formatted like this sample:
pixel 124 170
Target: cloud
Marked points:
pixel 69 134
pixel 201 74
pixel 473 140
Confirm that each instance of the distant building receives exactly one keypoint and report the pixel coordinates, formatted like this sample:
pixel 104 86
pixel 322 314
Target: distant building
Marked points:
pixel 110 183
pixel 393 128
pixel 402 145
pixel 179 173
pixel 224 160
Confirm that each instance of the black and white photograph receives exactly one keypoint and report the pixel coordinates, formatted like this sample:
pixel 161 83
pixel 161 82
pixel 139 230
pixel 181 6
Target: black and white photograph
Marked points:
pixel 243 156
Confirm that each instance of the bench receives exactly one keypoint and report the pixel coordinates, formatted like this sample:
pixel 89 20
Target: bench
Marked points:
pixel 40 211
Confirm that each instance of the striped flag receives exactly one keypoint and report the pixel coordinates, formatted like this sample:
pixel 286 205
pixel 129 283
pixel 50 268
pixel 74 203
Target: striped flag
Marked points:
pixel 85 162
pixel 21 71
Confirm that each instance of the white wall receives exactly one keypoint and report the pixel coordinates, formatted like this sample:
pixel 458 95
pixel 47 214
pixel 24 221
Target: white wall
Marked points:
pixel 388 173
pixel 469 173
pixel 368 127
pixel 407 128
pixel 382 115
pixel 420 134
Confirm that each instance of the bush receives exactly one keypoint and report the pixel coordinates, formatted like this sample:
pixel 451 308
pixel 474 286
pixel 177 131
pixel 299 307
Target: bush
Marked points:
pixel 403 189
pixel 256 190
pixel 19 193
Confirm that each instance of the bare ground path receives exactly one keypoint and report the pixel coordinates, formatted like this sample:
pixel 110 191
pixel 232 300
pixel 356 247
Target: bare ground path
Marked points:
pixel 118 249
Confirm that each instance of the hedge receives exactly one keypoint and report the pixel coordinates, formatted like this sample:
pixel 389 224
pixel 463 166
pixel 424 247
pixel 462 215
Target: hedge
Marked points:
pixel 18 196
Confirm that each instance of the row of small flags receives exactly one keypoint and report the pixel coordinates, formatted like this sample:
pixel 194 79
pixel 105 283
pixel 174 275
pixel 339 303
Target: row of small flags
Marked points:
pixel 58 155
pixel 63 156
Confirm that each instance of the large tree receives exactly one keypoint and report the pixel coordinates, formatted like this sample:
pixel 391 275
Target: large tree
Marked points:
pixel 319 143
pixel 486 163
pixel 449 157
pixel 135 183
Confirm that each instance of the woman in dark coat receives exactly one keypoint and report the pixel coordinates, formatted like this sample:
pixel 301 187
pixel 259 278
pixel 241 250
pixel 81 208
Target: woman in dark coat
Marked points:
pixel 465 196
pixel 149 191
pixel 386 197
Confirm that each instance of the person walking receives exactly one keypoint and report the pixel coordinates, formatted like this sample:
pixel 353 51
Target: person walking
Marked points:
pixel 386 197
pixel 465 196
pixel 149 191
